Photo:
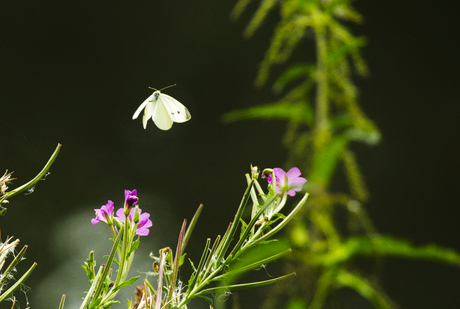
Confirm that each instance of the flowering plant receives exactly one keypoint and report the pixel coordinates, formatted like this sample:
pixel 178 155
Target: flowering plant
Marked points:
pixel 219 266
pixel 224 261
pixel 128 223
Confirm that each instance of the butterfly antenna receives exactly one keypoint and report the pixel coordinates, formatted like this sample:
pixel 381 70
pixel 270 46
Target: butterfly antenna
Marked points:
pixel 168 87
pixel 163 87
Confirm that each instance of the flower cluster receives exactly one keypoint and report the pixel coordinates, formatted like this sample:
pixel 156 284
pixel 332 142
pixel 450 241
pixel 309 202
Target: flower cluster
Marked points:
pixel 140 220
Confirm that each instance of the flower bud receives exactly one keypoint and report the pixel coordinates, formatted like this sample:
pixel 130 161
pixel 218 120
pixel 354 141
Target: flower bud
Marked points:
pixel 131 198
pixel 136 215
pixel 254 172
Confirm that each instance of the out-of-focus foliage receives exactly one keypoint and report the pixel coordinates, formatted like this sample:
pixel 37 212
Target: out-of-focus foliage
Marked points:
pixel 319 102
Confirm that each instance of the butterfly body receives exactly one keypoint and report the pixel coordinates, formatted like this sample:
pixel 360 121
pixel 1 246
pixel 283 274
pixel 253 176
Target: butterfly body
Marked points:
pixel 164 111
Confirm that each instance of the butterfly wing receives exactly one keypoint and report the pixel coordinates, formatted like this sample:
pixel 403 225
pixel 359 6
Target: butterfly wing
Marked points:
pixel 149 112
pixel 141 107
pixel 161 116
pixel 176 110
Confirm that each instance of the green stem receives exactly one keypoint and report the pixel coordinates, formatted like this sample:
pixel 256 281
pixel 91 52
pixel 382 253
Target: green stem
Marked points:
pixel 321 78
pixel 89 294
pixel 123 251
pixel 100 282
pixel 322 106
pixel 36 178
pixel 236 220
pixel 243 239
pixel 200 265
pixel 176 265
pixel 286 220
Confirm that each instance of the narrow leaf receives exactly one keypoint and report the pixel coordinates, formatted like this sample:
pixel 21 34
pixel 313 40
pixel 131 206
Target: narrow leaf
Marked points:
pixel 284 110
pixel 17 283
pixel 244 285
pixel 126 283
pixel 363 287
pixel 191 226
pixel 61 304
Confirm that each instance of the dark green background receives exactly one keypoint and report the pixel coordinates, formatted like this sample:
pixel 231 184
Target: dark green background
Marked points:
pixel 75 72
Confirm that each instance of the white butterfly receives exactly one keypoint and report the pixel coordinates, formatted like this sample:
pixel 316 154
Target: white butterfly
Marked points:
pixel 163 109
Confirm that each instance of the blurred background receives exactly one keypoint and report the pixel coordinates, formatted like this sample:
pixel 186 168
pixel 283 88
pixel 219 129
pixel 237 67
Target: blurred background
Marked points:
pixel 75 72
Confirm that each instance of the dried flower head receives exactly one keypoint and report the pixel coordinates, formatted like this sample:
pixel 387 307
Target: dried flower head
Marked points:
pixel 6 178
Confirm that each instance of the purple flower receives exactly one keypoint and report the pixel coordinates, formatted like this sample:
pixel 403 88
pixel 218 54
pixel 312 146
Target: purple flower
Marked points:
pixel 289 182
pixel 103 213
pixel 144 223
pixel 268 176
pixel 131 198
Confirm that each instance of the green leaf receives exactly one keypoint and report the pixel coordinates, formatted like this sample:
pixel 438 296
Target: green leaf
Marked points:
pixel 296 303
pixel 89 266
pixel 284 110
pixel 182 259
pixel 360 135
pixel 89 295
pixel 244 285
pixel 61 304
pixel 191 264
pixel 244 226
pixel 17 283
pixel 96 303
pixel 363 287
pixel 275 218
pixel 256 258
pixel 151 273
pixel 294 72
pixel 340 52
pixel 208 300
pixel 326 159
pixel 126 283
pixel 387 246
pixel 239 8
pixel 259 16
pixel 190 228
pixel 134 246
